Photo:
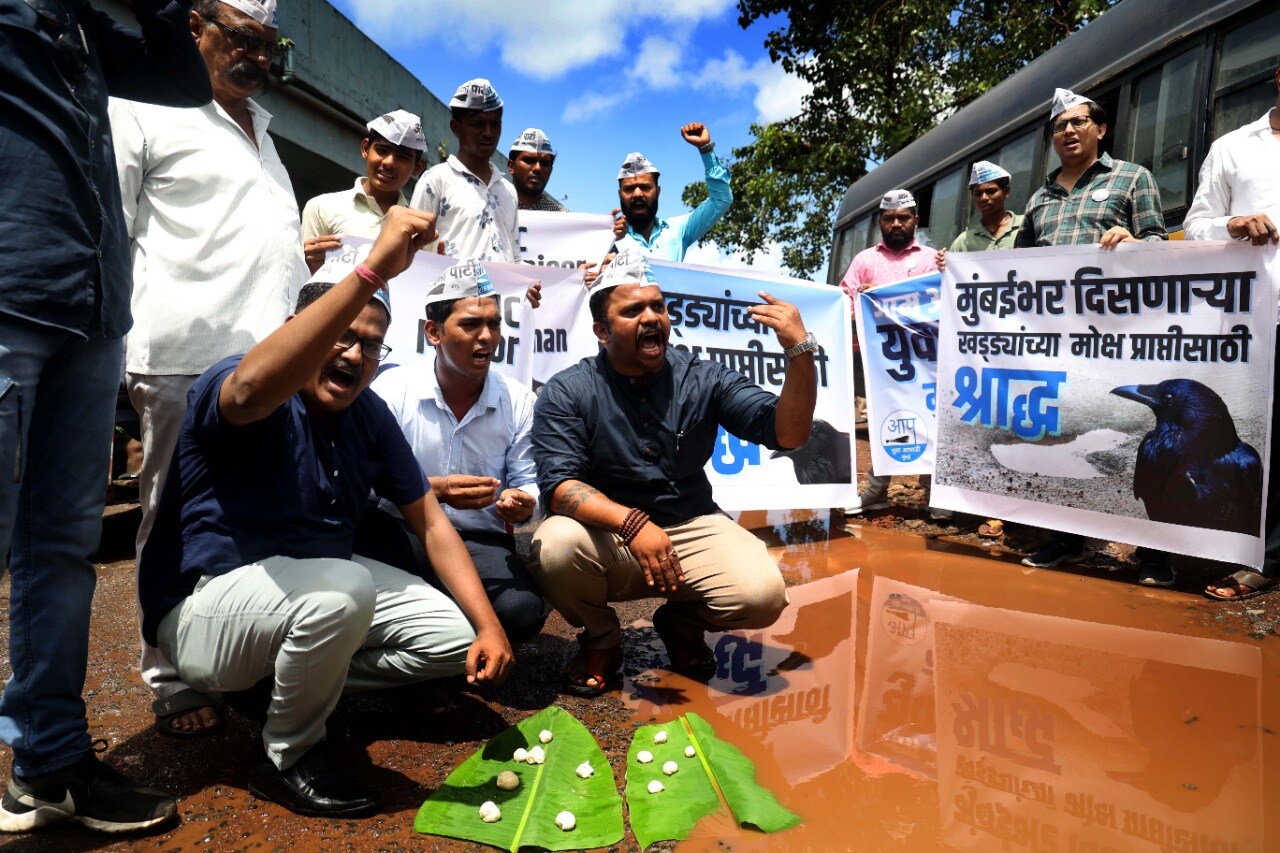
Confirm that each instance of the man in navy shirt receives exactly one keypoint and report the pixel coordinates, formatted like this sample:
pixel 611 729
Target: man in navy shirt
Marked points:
pixel 249 572
pixel 64 308
pixel 620 440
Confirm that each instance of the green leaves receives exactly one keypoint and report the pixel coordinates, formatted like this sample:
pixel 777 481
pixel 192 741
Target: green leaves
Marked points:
pixel 529 811
pixel 693 792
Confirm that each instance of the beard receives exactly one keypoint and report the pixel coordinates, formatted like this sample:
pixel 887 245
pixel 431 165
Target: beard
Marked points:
pixel 246 73
pixel 898 240
pixel 640 220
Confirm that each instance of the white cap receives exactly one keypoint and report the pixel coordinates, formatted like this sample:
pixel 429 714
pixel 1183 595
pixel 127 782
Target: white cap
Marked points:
pixel 262 11
pixel 459 282
pixel 630 266
pixel 477 94
pixel 897 200
pixel 400 128
pixel 533 140
pixel 343 264
pixel 636 164
pixel 984 172
pixel 1065 99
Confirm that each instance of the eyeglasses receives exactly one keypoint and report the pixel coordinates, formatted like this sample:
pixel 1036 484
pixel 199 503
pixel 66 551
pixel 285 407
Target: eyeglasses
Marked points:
pixel 372 349
pixel 246 41
pixel 1077 122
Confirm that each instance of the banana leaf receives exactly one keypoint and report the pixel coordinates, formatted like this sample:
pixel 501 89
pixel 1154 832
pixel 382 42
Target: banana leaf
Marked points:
pixel 694 791
pixel 529 811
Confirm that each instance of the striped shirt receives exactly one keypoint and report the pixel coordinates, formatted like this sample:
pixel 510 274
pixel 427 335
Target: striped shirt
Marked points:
pixel 1109 193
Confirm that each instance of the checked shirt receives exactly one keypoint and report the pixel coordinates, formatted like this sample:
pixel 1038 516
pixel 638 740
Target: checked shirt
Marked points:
pixel 1110 192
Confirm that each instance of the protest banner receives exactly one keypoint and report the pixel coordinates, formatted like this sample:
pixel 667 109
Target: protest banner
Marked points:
pixel 898 336
pixel 567 240
pixel 1124 395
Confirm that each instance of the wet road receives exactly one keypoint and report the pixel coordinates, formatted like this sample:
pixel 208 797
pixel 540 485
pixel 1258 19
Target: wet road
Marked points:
pixel 915 696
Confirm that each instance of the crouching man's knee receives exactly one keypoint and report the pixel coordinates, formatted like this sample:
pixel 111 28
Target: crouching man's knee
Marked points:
pixel 761 603
pixel 558 548
pixel 521 614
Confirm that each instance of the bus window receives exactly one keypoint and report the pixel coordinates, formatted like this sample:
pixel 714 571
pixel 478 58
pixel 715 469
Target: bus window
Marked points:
pixel 1244 87
pixel 1161 118
pixel 946 205
pixel 1018 158
pixel 850 244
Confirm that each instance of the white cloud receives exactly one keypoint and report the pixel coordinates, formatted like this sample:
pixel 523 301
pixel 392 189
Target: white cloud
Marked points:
pixel 591 104
pixel 657 64
pixel 779 95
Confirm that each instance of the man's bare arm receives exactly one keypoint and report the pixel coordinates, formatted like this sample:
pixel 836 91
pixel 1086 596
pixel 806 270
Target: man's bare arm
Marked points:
pixel 588 505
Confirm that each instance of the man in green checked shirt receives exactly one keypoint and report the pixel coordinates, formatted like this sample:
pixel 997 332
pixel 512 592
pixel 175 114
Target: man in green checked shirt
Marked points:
pixel 1091 198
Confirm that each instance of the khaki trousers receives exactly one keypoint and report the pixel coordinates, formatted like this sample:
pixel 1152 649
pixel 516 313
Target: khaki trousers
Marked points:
pixel 731 582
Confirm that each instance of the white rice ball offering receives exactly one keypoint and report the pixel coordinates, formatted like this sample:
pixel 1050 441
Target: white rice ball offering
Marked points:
pixel 489 812
pixel 585 770
pixel 655 786
pixel 520 756
pixel 566 821
pixel 670 768
pixel 546 737
pixel 689 751
pixel 644 756
pixel 508 781
pixel 537 755
pixel 660 736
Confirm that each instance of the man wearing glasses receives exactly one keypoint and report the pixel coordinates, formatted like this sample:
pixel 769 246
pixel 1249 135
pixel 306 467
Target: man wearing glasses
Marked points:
pixel 249 573
pixel 217 258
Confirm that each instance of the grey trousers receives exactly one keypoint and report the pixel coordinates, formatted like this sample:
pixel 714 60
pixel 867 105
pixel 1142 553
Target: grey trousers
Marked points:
pixel 320 627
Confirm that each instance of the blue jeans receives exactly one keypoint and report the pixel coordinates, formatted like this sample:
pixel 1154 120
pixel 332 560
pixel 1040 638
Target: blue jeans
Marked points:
pixel 56 423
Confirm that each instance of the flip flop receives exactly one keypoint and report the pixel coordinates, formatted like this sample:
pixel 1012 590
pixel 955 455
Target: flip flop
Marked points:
pixel 600 665
pixel 171 707
pixel 689 657
pixel 1254 584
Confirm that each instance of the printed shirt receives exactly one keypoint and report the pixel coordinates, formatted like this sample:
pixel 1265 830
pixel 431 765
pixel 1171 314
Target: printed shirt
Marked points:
pixel 65 262
pixel 492 440
pixel 671 238
pixel 476 221
pixel 882 265
pixel 217 250
pixel 352 211
pixel 1239 177
pixel 978 239
pixel 1110 192
pixel 288 485
pixel 644 443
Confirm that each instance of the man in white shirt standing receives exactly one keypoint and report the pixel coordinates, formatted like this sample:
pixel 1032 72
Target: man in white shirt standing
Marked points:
pixel 470 431
pixel 392 151
pixel 477 213
pixel 217 258
pixel 1238 198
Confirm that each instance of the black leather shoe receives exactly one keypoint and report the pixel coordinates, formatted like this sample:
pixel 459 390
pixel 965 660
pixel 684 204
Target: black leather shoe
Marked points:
pixel 311 787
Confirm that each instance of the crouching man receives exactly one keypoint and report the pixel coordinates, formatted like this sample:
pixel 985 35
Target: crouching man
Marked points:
pixel 620 440
pixel 249 572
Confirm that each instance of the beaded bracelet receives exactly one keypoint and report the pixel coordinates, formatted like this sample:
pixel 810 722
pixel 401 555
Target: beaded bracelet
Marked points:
pixel 632 525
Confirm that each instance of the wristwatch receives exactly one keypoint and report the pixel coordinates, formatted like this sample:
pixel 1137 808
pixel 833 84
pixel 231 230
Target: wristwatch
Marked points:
pixel 809 344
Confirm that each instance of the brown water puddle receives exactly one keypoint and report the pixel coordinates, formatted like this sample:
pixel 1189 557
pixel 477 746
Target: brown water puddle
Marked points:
pixel 926 697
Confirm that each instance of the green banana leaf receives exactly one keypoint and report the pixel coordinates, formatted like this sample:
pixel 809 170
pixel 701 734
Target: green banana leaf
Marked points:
pixel 694 791
pixel 529 812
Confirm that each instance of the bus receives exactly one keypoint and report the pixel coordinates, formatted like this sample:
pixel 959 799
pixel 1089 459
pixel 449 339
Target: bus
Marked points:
pixel 1174 75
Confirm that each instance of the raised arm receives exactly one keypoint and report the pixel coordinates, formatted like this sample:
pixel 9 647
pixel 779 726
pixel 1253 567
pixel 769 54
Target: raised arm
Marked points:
pixel 719 193
pixel 793 420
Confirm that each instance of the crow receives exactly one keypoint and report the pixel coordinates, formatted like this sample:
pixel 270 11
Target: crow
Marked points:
pixel 1192 468
pixel 824 458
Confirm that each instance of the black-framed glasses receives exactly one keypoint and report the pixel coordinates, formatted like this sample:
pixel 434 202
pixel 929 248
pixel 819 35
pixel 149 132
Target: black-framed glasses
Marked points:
pixel 247 41
pixel 1075 121
pixel 371 348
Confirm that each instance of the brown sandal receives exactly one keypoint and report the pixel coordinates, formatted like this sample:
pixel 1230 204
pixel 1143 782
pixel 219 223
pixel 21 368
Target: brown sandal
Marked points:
pixel 1250 583
pixel 592 665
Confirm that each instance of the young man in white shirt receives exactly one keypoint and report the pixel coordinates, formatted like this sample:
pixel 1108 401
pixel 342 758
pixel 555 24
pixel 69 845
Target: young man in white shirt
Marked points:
pixel 1238 198
pixel 217 258
pixel 477 213
pixel 392 151
pixel 469 428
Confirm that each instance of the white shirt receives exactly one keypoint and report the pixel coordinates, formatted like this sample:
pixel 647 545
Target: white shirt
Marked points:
pixel 354 212
pixel 476 221
pixel 215 243
pixel 492 440
pixel 1240 176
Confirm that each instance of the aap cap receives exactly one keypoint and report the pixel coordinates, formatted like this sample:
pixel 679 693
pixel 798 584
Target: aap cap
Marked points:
pixel 262 11
pixel 636 164
pixel 630 266
pixel 897 199
pixel 343 264
pixel 1065 99
pixel 459 282
pixel 984 172
pixel 533 140
pixel 477 94
pixel 400 128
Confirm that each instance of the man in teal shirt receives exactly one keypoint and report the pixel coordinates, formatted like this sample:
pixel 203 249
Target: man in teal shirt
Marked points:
pixel 638 190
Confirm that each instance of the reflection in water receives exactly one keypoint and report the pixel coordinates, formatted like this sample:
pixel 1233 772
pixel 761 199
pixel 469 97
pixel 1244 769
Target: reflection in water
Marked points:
pixel 996 709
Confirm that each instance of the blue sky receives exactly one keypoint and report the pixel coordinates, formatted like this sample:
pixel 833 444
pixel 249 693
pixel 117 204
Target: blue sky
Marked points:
pixel 598 78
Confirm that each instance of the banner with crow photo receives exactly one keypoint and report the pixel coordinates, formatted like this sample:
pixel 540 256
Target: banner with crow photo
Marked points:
pixel 1123 395
pixel 898 336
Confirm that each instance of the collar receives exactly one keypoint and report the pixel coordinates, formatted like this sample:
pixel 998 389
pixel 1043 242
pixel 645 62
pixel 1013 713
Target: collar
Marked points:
pixel 911 247
pixel 1015 219
pixel 633 383
pixel 1263 125
pixel 429 390
pixel 257 115
pixel 359 193
pixel 459 167
pixel 1105 163
pixel 659 225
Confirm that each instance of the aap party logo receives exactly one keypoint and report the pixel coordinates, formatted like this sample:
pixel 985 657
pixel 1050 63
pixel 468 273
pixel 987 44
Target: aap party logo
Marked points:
pixel 904 436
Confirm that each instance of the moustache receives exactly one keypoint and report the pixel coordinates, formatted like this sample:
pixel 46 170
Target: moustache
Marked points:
pixel 247 73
